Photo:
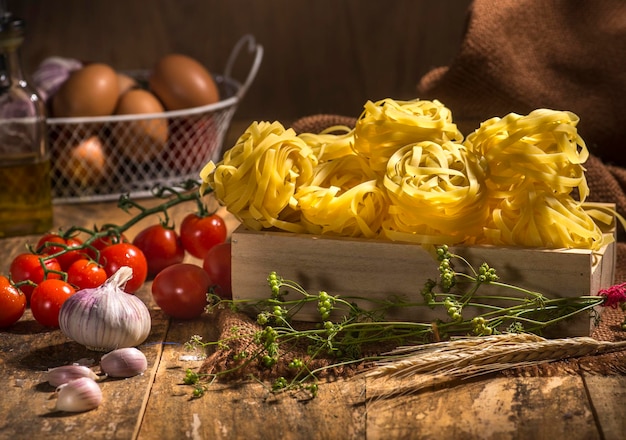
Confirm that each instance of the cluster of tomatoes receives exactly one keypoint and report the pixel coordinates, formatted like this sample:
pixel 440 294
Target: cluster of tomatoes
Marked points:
pixel 59 266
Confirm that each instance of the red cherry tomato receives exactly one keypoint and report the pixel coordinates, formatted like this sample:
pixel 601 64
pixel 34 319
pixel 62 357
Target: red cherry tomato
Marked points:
pixel 161 246
pixel 100 243
pixel 199 234
pixel 180 290
pixel 12 303
pixel 125 254
pixel 28 267
pixel 46 246
pixel 86 274
pixel 47 299
pixel 217 264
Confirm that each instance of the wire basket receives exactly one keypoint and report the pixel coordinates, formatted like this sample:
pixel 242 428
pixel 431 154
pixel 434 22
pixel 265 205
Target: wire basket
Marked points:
pixel 99 158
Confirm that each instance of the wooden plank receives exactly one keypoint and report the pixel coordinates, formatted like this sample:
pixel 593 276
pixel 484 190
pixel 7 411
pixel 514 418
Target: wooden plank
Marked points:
pixel 242 411
pixel 490 408
pixel 486 407
pixel 607 395
pixel 28 349
pixel 532 407
pixel 382 269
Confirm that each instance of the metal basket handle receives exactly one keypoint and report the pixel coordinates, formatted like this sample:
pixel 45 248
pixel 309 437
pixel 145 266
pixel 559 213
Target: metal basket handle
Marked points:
pixel 253 47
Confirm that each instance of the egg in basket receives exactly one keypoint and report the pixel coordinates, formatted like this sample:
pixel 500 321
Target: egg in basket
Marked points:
pixel 112 133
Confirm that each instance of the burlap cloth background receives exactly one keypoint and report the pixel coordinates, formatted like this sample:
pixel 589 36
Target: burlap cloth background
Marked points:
pixel 516 56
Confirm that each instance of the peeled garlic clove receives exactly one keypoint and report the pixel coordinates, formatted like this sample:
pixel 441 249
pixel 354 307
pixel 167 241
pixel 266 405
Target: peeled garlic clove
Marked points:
pixel 124 362
pixel 78 395
pixel 61 375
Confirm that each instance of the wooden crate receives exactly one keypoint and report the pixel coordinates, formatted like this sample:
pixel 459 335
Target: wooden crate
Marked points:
pixel 379 269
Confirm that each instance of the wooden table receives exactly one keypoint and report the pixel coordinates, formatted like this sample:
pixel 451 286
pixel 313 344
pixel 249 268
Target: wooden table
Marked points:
pixel 158 405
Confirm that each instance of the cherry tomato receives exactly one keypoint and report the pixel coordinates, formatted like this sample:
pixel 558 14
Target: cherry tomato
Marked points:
pixel 45 246
pixel 100 243
pixel 161 246
pixel 125 254
pixel 86 274
pixel 28 267
pixel 199 234
pixel 217 264
pixel 180 290
pixel 12 303
pixel 47 299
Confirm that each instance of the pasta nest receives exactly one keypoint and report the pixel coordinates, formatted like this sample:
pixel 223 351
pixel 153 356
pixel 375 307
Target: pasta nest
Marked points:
pixel 405 172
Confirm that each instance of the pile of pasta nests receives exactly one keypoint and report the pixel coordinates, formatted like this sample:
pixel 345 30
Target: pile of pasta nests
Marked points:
pixel 405 172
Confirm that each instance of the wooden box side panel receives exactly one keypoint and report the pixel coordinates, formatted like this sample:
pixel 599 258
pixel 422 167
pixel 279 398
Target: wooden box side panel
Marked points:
pixel 370 269
pixel 380 270
pixel 556 274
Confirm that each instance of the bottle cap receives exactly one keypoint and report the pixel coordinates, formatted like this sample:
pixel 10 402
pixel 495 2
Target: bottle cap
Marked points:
pixel 10 26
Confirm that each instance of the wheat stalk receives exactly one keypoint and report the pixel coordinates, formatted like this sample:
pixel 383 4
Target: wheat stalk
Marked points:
pixel 426 365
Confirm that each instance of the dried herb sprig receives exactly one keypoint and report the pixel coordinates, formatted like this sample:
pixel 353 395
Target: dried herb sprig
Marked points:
pixel 350 328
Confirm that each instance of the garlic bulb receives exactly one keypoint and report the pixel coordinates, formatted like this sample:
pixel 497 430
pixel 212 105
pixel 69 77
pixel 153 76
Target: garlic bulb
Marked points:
pixel 61 375
pixel 124 362
pixel 78 395
pixel 52 73
pixel 106 318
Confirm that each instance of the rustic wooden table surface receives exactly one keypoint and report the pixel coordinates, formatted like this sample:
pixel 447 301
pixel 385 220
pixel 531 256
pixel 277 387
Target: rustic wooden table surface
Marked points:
pixel 157 404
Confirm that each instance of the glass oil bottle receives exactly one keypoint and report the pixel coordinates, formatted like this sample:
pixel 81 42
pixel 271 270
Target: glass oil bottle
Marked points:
pixel 25 187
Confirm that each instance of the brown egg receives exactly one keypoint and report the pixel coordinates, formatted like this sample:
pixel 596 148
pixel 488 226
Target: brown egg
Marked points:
pixel 125 83
pixel 144 137
pixel 90 91
pixel 86 163
pixel 181 82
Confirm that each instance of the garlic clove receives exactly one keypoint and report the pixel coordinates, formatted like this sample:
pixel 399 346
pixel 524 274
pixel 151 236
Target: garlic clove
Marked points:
pixel 61 375
pixel 124 362
pixel 78 395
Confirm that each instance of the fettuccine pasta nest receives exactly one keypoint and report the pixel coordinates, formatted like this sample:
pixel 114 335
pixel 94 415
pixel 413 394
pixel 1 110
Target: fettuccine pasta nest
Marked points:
pixel 437 193
pixel 387 125
pixel 258 177
pixel 344 199
pixel 405 172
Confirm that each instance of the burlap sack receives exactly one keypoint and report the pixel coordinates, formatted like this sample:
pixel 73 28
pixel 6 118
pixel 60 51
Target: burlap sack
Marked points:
pixel 519 55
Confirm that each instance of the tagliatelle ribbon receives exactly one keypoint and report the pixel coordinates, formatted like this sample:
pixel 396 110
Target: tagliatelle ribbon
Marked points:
pixel 541 147
pixel 258 177
pixel 534 164
pixel 543 220
pixel 356 212
pixel 405 173
pixel 437 188
pixel 386 125
pixel 328 145
pixel 343 199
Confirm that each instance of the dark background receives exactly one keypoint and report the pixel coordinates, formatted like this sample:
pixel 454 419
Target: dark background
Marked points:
pixel 321 56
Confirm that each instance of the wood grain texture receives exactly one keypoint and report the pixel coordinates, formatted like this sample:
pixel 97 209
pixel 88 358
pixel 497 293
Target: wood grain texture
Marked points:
pixel 247 410
pixel 157 405
pixel 380 269
pixel 498 408
pixel 607 395
pixel 28 350
pixel 325 56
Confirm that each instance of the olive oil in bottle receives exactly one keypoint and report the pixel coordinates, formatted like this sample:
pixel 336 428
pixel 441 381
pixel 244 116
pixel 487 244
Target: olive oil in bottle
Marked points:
pixel 25 187
pixel 25 198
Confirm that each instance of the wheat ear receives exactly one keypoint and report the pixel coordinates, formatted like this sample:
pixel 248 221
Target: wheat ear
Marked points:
pixel 430 364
